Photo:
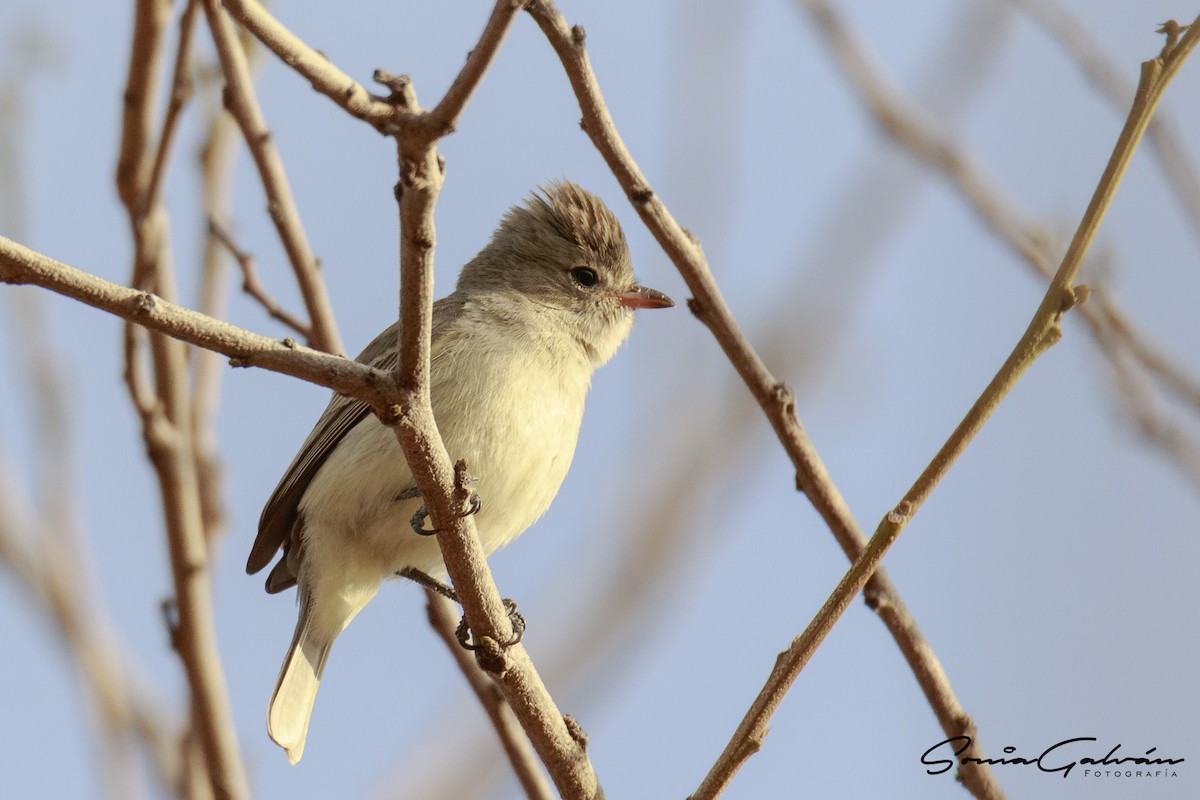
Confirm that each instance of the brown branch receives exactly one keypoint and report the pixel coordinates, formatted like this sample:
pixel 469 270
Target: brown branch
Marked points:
pixel 773 396
pixel 251 284
pixel 1043 332
pixel 181 92
pixel 150 21
pixel 444 116
pixel 444 489
pixel 166 411
pixel 324 76
pixel 20 265
pixel 508 728
pixel 166 430
pixel 241 101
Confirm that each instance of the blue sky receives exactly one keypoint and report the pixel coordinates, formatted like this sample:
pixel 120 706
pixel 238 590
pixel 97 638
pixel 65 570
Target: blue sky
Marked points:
pixel 1051 571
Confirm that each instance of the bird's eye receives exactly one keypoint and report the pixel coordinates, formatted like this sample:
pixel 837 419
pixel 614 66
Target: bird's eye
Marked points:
pixel 585 276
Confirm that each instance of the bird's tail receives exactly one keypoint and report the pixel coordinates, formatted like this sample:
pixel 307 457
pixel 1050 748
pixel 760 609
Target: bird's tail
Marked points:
pixel 296 690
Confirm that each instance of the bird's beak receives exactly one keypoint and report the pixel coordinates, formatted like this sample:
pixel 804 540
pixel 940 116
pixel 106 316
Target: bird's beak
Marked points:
pixel 644 297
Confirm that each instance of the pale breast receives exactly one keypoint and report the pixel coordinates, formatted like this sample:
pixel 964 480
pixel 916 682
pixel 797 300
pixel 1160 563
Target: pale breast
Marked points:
pixel 515 417
pixel 505 400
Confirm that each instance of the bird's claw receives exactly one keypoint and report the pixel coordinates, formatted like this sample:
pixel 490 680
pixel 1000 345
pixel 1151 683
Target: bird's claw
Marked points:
pixel 418 523
pixel 474 505
pixel 463 633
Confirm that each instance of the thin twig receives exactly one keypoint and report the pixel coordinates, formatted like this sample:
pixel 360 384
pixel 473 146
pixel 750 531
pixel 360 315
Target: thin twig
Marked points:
pixel 444 116
pixel 241 101
pixel 181 92
pixel 1044 331
pixel 251 284
pixel 1163 134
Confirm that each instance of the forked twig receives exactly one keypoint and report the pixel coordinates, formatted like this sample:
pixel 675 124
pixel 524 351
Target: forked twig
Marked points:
pixel 242 103
pixel 251 284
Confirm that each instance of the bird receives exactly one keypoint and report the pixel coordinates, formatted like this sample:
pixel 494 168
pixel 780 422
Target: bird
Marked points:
pixel 546 302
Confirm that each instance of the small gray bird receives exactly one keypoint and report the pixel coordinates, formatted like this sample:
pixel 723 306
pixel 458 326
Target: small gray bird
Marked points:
pixel 514 346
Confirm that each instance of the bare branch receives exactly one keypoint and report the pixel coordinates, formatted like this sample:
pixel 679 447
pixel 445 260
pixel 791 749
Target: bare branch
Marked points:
pixel 508 729
pixel 181 92
pixel 150 21
pixel 444 116
pixel 1043 332
pixel 773 396
pixel 444 489
pixel 166 413
pixel 251 285
pixel 242 103
pixel 20 265
pixel 324 76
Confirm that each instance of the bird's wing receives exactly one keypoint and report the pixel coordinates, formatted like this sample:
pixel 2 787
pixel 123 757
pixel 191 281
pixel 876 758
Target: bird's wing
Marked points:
pixel 277 527
pixel 280 513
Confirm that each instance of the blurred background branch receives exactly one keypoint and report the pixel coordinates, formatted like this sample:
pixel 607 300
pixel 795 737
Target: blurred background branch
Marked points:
pixel 929 141
pixel 42 544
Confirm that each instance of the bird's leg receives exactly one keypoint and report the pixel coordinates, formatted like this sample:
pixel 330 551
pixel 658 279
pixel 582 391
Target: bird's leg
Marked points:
pixel 463 632
pixel 430 583
pixel 465 490
pixel 418 523
pixel 418 519
pixel 465 483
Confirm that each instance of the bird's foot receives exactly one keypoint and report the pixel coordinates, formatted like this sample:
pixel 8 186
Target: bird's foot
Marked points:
pixel 465 484
pixel 463 633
